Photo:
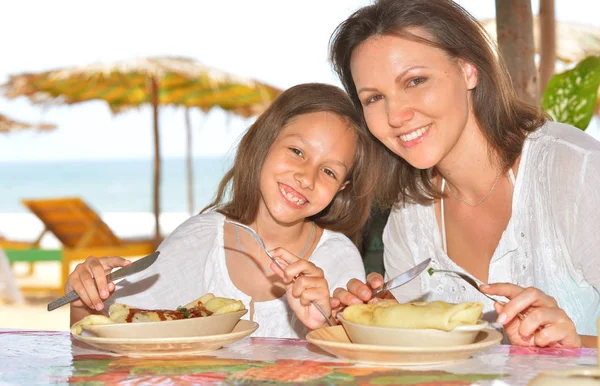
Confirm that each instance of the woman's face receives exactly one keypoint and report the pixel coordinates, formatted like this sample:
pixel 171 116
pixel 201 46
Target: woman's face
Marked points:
pixel 306 166
pixel 415 98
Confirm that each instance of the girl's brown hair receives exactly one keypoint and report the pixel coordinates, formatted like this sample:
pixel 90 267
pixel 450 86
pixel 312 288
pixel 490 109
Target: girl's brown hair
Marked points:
pixel 504 119
pixel 350 207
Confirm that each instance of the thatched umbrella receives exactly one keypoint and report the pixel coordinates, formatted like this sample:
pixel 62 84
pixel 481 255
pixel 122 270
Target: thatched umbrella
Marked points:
pixel 8 125
pixel 155 81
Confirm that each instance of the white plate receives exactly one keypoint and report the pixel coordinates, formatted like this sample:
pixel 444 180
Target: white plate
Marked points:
pixel 335 341
pixel 192 327
pixel 169 346
pixel 413 337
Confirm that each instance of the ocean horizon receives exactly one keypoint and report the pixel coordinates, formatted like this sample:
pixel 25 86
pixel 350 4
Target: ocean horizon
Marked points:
pixel 111 185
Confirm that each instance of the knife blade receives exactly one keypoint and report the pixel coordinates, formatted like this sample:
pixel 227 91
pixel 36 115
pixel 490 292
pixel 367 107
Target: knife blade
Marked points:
pixel 135 267
pixel 403 278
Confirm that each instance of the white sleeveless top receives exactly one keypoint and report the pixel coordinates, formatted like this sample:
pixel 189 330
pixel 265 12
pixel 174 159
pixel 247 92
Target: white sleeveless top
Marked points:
pixel 192 263
pixel 552 240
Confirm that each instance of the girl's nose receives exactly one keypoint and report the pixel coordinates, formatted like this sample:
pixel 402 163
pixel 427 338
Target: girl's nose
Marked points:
pixel 399 113
pixel 305 178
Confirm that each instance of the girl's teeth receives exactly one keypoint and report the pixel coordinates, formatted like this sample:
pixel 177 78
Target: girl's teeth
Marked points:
pixel 415 134
pixel 291 198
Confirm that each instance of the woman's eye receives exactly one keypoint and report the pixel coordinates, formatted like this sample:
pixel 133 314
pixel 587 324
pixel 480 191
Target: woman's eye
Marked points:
pixel 296 151
pixel 330 173
pixel 373 99
pixel 416 81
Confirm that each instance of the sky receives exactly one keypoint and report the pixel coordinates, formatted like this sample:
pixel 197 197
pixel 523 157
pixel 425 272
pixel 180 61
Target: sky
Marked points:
pixel 279 42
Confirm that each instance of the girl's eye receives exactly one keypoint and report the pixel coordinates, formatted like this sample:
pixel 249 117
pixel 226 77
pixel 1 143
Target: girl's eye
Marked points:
pixel 372 99
pixel 330 173
pixel 416 81
pixel 296 151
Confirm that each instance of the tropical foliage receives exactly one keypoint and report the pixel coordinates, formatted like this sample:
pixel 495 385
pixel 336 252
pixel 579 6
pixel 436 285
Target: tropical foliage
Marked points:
pixel 571 96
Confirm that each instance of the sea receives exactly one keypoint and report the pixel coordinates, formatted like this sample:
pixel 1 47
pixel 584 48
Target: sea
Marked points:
pixel 119 190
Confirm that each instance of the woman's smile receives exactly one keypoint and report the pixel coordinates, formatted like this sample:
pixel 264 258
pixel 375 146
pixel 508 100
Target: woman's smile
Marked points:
pixel 414 137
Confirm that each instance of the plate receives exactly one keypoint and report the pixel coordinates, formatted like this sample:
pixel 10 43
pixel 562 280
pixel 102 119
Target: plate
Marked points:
pixel 170 346
pixel 573 377
pixel 192 327
pixel 413 337
pixel 335 341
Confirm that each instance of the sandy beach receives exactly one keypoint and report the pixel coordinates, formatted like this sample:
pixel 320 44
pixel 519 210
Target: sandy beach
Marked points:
pixel 32 313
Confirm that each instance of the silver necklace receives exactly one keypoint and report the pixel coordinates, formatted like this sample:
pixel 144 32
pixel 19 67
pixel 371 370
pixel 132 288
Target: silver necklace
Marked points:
pixel 268 271
pixel 480 201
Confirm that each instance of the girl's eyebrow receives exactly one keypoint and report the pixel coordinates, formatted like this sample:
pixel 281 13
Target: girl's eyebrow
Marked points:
pixel 305 142
pixel 396 80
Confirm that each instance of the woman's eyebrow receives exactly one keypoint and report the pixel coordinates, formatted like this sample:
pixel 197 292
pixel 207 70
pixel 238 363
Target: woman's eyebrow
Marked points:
pixel 396 80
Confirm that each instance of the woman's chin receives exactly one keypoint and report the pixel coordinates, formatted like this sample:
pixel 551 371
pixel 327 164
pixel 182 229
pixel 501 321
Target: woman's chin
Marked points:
pixel 422 163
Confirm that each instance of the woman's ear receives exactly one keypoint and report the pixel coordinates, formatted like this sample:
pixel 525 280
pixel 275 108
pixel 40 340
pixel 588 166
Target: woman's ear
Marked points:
pixel 469 72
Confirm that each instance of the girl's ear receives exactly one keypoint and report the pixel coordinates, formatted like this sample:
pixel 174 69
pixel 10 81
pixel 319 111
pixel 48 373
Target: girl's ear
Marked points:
pixel 343 186
pixel 470 73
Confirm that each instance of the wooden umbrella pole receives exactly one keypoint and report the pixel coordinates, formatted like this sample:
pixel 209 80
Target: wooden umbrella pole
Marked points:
pixel 154 92
pixel 190 166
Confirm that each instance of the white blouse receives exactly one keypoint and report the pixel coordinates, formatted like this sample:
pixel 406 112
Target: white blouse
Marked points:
pixel 551 242
pixel 192 263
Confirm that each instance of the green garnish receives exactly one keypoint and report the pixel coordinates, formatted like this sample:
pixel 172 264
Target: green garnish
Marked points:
pixel 430 271
pixel 186 312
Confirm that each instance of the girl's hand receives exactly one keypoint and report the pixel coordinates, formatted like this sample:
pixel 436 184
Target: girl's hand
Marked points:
pixel 309 286
pixel 544 323
pixel 89 281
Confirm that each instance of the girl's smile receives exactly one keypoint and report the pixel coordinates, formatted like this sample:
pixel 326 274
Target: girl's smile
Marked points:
pixel 290 195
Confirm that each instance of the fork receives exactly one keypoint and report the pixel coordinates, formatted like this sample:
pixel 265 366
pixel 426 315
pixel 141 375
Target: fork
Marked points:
pixel 473 282
pixel 260 242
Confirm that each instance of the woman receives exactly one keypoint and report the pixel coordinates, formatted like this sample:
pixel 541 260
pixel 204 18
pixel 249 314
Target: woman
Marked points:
pixel 479 181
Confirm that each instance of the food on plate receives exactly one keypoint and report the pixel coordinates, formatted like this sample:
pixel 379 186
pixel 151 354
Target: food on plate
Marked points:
pixel 437 315
pixel 206 305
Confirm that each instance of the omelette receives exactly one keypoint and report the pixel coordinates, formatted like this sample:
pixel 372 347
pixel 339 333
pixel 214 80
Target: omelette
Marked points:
pixel 204 306
pixel 437 315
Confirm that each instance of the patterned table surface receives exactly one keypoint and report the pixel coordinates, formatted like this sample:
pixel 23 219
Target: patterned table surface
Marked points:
pixel 48 357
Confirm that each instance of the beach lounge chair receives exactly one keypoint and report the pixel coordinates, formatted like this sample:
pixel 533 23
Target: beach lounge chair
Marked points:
pixel 80 230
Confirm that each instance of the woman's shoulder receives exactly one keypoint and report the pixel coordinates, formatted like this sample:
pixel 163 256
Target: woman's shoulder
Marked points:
pixel 563 137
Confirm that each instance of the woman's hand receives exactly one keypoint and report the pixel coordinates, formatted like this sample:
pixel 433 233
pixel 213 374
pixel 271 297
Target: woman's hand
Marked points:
pixel 544 323
pixel 89 281
pixel 358 292
pixel 309 286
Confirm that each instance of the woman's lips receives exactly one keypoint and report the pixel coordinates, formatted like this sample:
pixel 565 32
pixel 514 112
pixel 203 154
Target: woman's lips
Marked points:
pixel 413 138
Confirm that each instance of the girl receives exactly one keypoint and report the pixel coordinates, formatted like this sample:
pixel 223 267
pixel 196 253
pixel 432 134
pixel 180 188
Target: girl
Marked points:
pixel 301 179
pixel 479 181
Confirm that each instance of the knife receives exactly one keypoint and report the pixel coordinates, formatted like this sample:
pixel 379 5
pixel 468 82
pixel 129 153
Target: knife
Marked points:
pixel 135 267
pixel 403 278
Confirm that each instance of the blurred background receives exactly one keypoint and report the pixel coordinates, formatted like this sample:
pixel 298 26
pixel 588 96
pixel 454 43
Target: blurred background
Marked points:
pixel 104 153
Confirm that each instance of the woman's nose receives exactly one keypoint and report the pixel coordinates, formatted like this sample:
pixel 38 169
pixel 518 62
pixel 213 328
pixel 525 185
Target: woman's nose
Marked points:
pixel 399 113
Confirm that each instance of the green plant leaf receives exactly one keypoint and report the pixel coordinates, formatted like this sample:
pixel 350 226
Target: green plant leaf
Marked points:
pixel 570 96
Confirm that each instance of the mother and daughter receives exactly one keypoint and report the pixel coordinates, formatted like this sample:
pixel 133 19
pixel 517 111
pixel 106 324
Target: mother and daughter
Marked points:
pixel 477 180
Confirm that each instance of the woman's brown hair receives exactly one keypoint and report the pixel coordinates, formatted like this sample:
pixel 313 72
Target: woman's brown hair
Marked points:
pixel 504 119
pixel 350 207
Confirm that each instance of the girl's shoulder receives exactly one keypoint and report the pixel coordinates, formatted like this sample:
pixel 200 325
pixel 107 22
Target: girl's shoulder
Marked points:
pixel 200 226
pixel 333 239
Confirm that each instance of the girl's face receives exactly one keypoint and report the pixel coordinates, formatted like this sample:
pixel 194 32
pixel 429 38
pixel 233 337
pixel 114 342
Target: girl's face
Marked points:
pixel 415 98
pixel 306 166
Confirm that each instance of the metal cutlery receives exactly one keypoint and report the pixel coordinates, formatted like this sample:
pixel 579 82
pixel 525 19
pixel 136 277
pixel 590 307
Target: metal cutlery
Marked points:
pixel 260 242
pixel 474 283
pixel 136 266
pixel 403 278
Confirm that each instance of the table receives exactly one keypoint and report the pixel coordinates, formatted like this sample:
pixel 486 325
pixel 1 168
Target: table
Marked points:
pixel 50 357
